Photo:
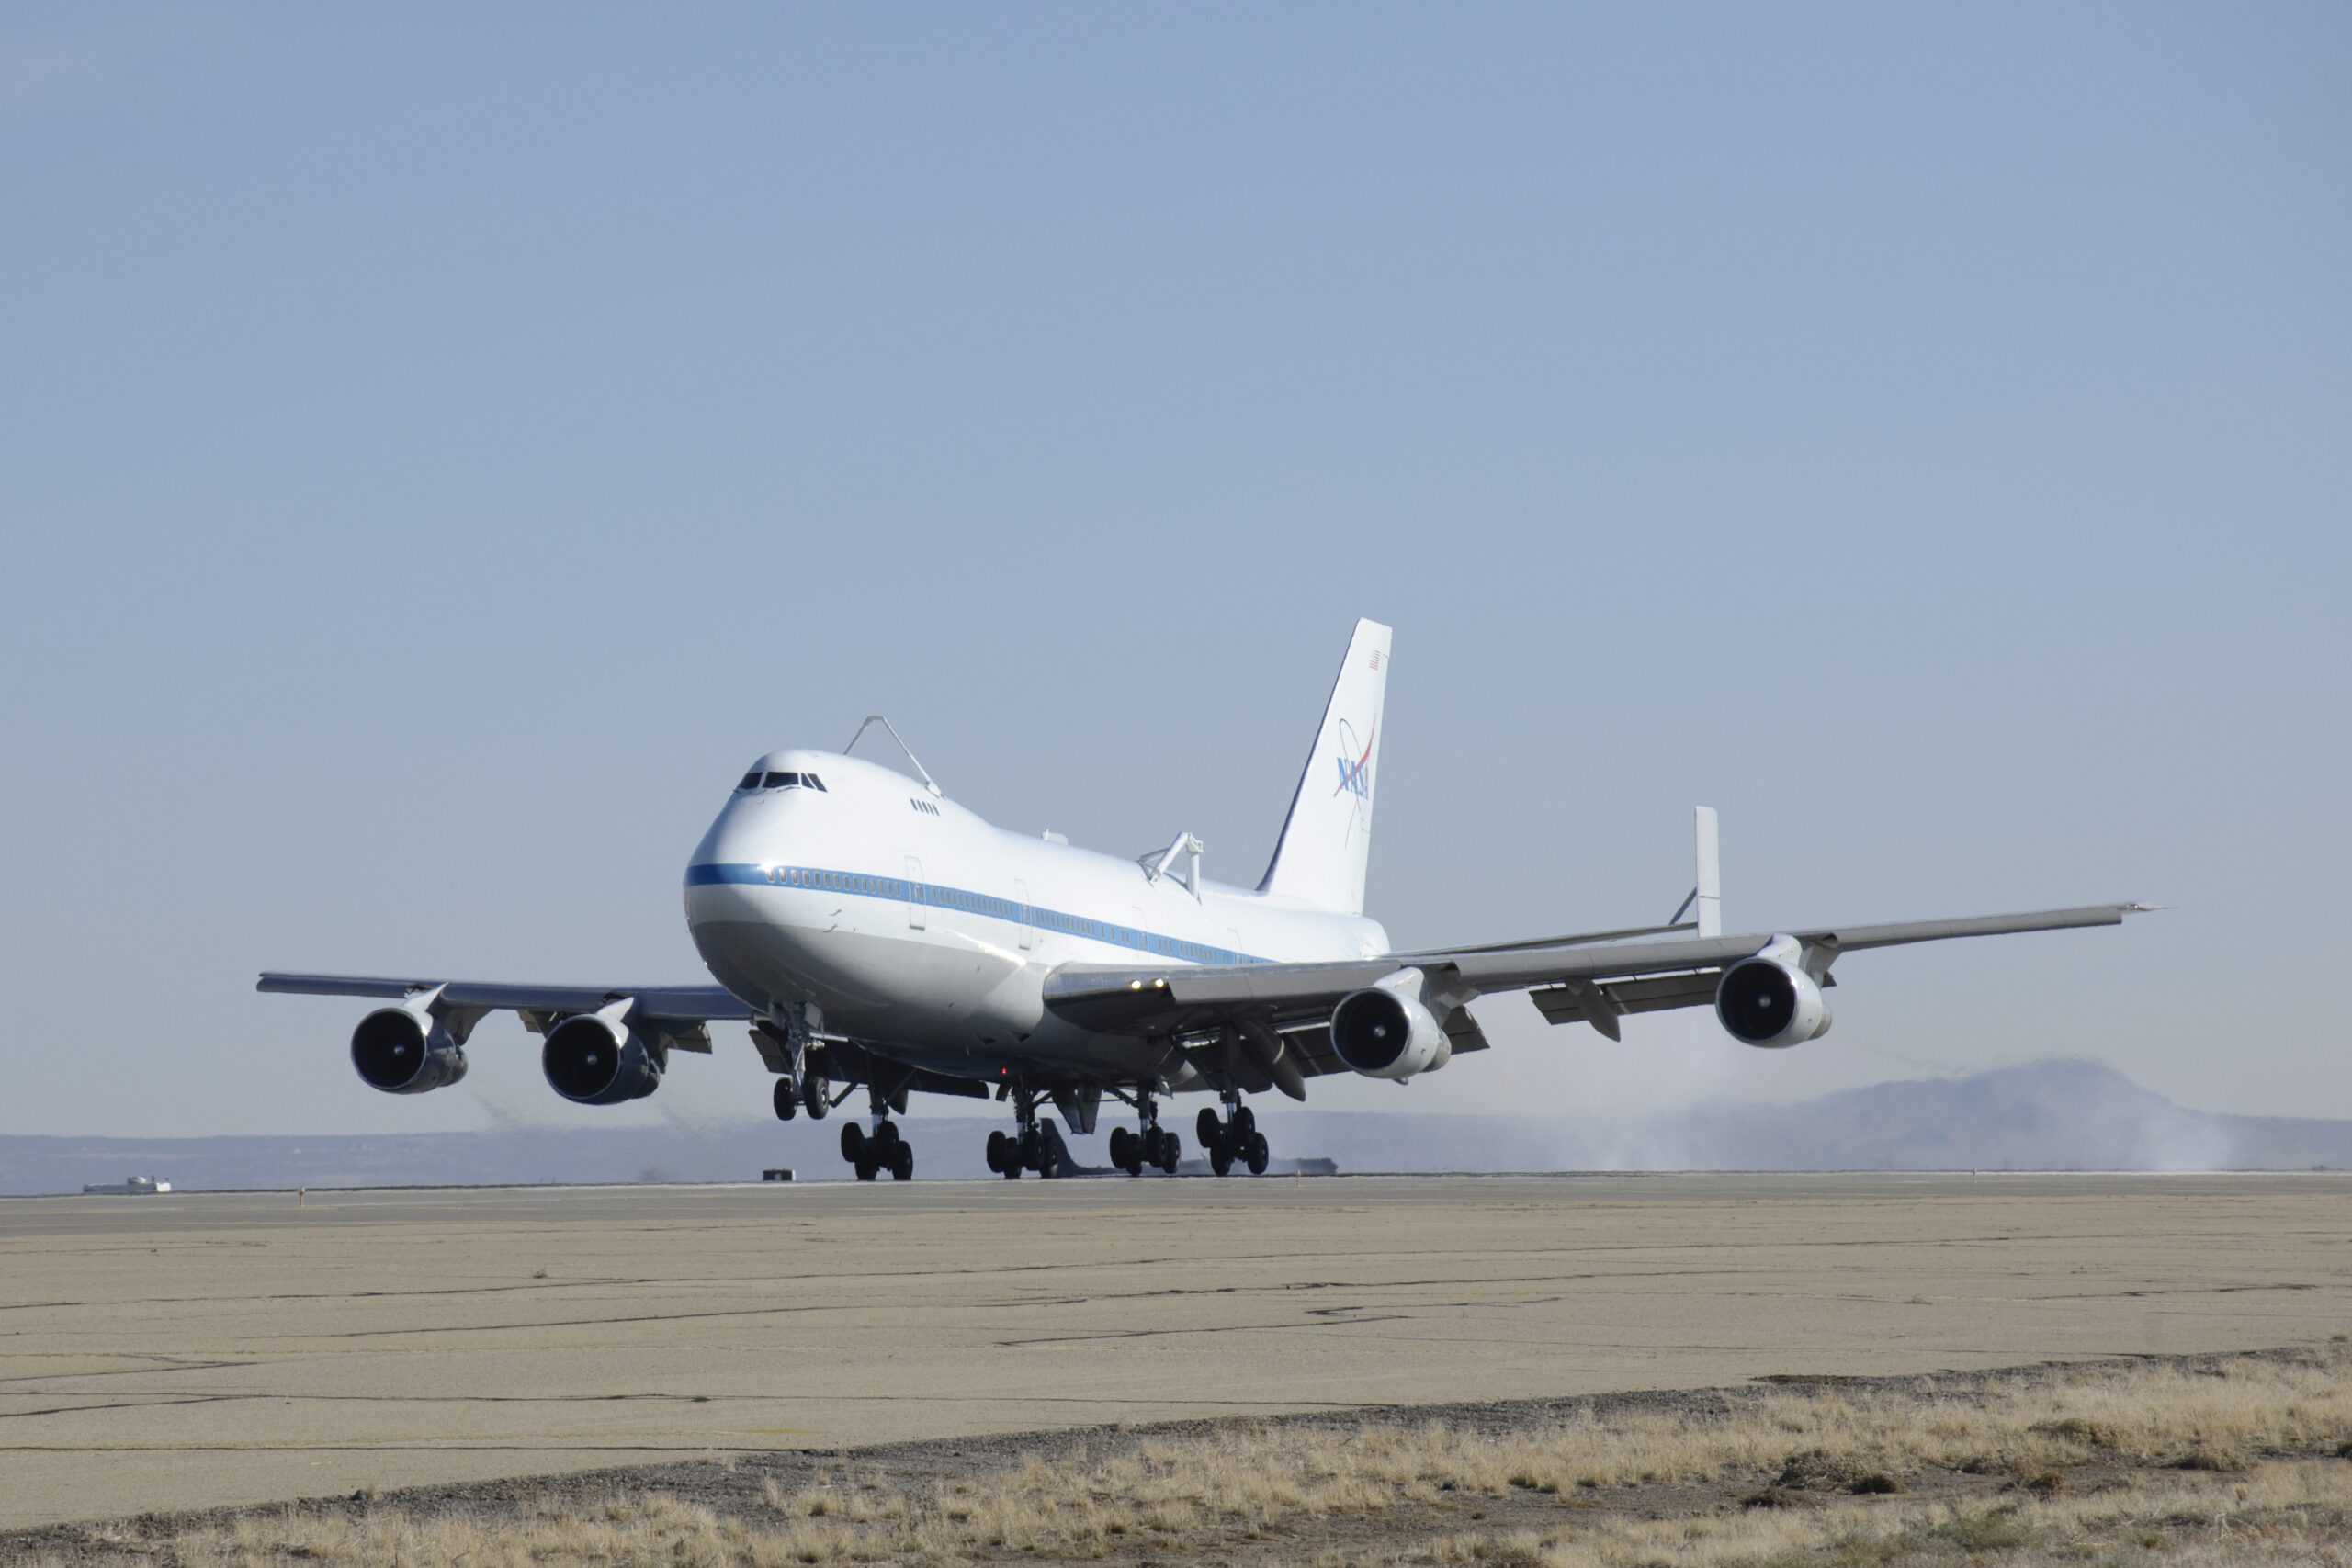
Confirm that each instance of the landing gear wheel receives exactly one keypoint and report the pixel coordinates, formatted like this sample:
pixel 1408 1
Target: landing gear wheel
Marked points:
pixel 1171 1150
pixel 1207 1130
pixel 1221 1158
pixel 853 1145
pixel 1244 1123
pixel 1000 1148
pixel 1256 1154
pixel 902 1162
pixel 787 1100
pixel 813 1098
pixel 866 1169
pixel 1122 1143
pixel 885 1138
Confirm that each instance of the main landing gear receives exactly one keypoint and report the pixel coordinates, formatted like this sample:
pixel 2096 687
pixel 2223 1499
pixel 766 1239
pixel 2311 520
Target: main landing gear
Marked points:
pixel 1153 1145
pixel 810 1092
pixel 880 1150
pixel 1234 1138
pixel 1036 1146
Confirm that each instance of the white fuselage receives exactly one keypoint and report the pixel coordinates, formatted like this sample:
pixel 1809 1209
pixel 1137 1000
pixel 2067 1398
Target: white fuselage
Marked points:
pixel 912 926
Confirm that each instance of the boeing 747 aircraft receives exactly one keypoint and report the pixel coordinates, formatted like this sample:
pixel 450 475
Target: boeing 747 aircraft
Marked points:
pixel 876 935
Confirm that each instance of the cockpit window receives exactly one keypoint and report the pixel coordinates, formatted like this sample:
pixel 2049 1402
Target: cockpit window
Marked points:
pixel 780 781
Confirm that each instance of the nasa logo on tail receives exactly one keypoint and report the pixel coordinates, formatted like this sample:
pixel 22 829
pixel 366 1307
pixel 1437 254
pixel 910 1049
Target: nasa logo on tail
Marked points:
pixel 1355 774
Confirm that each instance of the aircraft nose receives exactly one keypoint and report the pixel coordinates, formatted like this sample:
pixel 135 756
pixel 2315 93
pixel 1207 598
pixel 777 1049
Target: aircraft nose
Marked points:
pixel 733 838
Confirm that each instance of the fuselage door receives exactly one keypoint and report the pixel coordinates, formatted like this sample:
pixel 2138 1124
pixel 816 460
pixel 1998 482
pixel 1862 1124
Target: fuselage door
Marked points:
pixel 1028 926
pixel 914 893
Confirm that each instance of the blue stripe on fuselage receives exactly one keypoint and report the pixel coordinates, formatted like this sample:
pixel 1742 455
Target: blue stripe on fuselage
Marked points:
pixel 897 890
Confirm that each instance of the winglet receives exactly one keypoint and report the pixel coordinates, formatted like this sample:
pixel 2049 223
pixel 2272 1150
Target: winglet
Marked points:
pixel 1710 894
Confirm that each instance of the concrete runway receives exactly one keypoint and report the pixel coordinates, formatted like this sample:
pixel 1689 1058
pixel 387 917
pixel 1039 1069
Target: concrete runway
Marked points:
pixel 194 1351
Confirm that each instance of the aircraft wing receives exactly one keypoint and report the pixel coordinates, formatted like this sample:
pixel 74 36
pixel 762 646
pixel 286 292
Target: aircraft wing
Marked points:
pixel 1568 980
pixel 676 1012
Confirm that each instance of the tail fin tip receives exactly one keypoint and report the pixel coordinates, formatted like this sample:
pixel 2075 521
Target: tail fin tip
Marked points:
pixel 1325 842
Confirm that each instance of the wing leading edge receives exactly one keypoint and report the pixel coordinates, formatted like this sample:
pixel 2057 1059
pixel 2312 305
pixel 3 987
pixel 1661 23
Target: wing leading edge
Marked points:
pixel 676 1015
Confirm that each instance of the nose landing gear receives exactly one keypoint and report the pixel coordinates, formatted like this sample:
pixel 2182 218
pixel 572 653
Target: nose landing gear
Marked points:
pixel 1234 1138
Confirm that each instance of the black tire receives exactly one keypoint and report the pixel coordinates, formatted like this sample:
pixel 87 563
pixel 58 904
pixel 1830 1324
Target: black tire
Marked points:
pixel 886 1137
pixel 1050 1168
pixel 1257 1153
pixel 1122 1143
pixel 1220 1159
pixel 1032 1149
pixel 1134 1164
pixel 787 1101
pixel 866 1169
pixel 1000 1150
pixel 902 1162
pixel 815 1097
pixel 1011 1172
pixel 853 1145
pixel 1244 1124
pixel 1208 1129
pixel 1171 1151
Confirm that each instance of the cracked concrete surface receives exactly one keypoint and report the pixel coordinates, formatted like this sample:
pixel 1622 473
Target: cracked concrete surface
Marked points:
pixel 202 1349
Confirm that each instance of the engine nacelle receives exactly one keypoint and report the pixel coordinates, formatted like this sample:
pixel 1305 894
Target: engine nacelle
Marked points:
pixel 406 1051
pixel 1769 1000
pixel 593 1060
pixel 1383 1032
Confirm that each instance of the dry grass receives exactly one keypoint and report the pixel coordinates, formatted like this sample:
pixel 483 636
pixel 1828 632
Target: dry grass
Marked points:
pixel 2235 1463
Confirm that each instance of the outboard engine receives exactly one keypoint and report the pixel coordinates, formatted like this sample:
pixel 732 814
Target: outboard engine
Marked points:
pixel 1383 1032
pixel 1769 1000
pixel 406 1051
pixel 591 1059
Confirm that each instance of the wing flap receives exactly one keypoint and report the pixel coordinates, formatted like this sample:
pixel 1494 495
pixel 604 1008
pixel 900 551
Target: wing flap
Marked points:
pixel 1562 1004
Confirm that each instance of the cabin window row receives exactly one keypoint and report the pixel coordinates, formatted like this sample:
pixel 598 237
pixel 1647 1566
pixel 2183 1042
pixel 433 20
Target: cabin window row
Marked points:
pixel 1003 909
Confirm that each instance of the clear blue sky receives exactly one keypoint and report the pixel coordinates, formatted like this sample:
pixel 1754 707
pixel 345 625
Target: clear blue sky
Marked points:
pixel 439 446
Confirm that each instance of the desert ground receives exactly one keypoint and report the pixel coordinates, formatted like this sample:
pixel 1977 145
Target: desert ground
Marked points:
pixel 195 1351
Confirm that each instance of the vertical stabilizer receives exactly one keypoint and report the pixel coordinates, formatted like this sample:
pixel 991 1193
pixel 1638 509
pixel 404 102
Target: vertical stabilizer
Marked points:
pixel 1327 840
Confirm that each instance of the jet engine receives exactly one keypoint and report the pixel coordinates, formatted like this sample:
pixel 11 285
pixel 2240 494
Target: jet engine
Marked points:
pixel 1769 1000
pixel 593 1060
pixel 1382 1033
pixel 406 1051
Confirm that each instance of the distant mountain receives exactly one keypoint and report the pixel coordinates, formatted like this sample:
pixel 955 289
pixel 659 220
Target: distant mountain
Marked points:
pixel 2062 1115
